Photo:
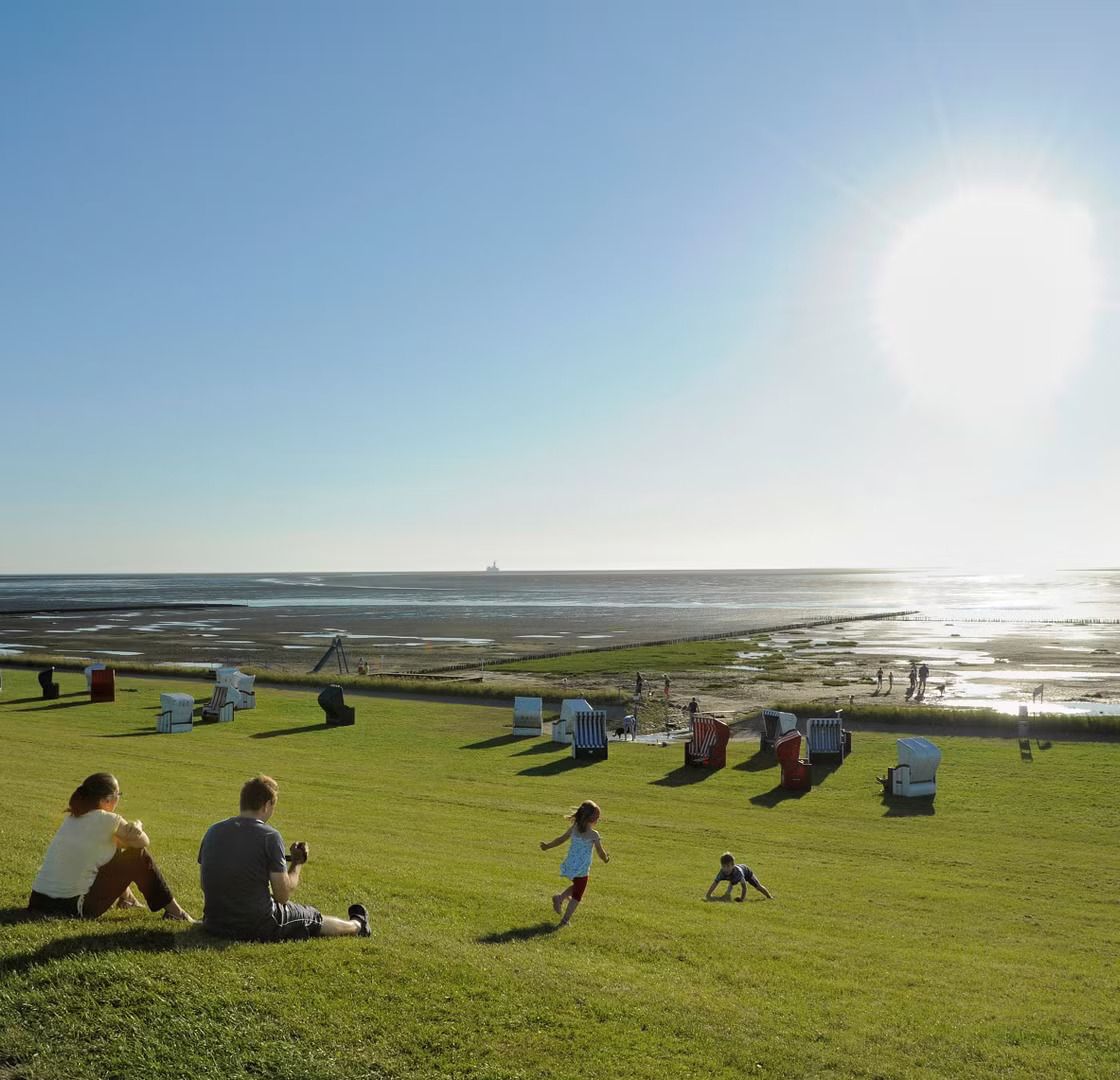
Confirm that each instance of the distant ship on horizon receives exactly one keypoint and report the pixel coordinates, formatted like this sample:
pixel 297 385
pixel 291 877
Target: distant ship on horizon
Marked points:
pixel 493 568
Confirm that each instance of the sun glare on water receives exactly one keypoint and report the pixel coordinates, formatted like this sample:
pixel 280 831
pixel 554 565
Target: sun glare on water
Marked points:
pixel 989 300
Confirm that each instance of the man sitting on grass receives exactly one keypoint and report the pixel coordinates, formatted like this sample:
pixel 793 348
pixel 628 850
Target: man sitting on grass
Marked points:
pixel 247 886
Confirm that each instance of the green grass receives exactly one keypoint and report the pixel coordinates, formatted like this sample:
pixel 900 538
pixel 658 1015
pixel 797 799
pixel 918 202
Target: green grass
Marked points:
pixel 979 940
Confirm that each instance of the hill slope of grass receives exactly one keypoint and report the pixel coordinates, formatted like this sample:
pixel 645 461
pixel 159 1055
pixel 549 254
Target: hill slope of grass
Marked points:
pixel 977 937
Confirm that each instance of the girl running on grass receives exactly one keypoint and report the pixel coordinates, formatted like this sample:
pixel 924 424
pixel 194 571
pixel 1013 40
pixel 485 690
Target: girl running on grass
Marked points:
pixel 577 863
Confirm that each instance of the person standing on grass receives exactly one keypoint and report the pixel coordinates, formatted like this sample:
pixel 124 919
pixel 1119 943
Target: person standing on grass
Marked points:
pixel 95 858
pixel 577 864
pixel 736 874
pixel 247 886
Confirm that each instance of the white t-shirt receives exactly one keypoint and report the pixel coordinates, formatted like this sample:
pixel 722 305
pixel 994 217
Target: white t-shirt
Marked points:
pixel 79 849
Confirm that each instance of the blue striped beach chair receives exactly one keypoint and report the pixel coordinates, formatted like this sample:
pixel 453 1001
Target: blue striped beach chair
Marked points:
pixel 825 737
pixel 589 735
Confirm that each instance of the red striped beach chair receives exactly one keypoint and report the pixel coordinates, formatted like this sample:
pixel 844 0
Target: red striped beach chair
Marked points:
pixel 796 773
pixel 708 745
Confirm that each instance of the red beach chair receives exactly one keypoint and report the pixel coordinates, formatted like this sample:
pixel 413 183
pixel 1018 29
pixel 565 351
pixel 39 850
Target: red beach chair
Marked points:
pixel 708 745
pixel 102 685
pixel 796 773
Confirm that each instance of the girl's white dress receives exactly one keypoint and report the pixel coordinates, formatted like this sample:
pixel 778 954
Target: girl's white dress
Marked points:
pixel 577 863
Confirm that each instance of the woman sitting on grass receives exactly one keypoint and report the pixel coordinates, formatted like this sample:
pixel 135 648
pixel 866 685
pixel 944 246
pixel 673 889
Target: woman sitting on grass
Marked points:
pixel 96 856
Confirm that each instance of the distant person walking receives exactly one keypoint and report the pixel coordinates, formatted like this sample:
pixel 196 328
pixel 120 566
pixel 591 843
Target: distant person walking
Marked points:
pixel 879 680
pixel 577 863
pixel 638 683
pixel 923 675
pixel 913 680
pixel 890 681
pixel 693 709
pixel 668 684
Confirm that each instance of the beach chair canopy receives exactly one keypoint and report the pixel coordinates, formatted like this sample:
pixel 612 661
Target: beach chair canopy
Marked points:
pixel 176 713
pixel 921 756
pixel 589 734
pixel 826 737
pixel 708 743
pixel 528 713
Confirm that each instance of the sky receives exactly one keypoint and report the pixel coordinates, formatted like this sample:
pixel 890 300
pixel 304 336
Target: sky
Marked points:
pixel 570 286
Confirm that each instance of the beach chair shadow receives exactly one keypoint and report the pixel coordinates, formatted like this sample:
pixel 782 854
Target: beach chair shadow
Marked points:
pixel 823 770
pixel 901 807
pixel 760 762
pixel 517 933
pixel 684 775
pixel 554 768
pixel 277 732
pixel 60 705
pixel 539 747
pixel 493 743
pixel 129 734
pixel 774 796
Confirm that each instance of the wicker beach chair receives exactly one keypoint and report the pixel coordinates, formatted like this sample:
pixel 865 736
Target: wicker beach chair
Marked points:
pixel 825 736
pixel 528 716
pixel 708 745
pixel 176 714
pixel 46 681
pixel 220 706
pixel 589 735
pixel 333 703
pixel 103 685
pixel 774 725
pixel 796 772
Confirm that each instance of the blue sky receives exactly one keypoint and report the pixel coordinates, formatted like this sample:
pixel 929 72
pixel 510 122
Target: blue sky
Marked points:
pixel 370 286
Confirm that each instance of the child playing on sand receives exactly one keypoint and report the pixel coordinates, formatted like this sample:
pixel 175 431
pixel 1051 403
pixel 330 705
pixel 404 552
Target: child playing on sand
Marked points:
pixel 736 874
pixel 577 863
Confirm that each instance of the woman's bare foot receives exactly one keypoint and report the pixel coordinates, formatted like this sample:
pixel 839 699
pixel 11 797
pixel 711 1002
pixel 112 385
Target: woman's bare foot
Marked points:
pixel 126 900
pixel 174 912
pixel 557 903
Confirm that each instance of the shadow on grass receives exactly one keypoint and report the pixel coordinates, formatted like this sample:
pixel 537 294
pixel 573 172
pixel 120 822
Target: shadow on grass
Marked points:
pixel 822 771
pixel 130 734
pixel 58 705
pixel 545 747
pixel 897 806
pixel 39 697
pixel 683 775
pixel 133 939
pixel 496 741
pixel 762 760
pixel 518 933
pixel 276 732
pixel 554 768
pixel 10 916
pixel 774 796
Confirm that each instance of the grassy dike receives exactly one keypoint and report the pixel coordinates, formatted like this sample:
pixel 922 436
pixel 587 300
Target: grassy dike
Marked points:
pixel 972 937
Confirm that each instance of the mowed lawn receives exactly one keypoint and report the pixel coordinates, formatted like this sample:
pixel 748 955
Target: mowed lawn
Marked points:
pixel 978 940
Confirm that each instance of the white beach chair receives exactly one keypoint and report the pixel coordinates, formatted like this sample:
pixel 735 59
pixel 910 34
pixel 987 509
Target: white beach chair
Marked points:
pixel 915 775
pixel 176 713
pixel 244 696
pixel 569 708
pixel 528 716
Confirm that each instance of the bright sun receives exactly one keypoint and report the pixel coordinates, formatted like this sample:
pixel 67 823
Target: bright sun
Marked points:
pixel 989 300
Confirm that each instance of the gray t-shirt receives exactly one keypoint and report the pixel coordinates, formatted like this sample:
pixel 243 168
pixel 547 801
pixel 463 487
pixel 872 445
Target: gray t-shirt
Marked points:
pixel 739 874
pixel 236 857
